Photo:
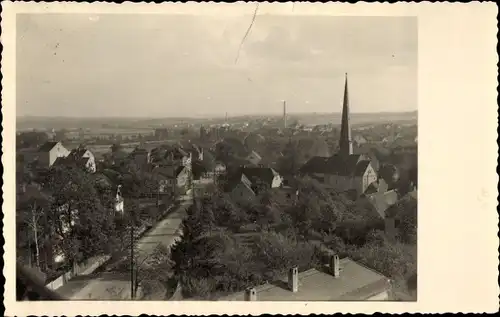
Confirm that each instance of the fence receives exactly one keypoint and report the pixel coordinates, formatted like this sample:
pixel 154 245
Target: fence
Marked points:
pixel 84 268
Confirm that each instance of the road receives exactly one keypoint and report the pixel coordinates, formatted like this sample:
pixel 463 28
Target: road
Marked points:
pixel 114 286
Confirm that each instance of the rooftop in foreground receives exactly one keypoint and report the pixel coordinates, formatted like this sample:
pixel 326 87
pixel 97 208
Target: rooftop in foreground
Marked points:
pixel 354 282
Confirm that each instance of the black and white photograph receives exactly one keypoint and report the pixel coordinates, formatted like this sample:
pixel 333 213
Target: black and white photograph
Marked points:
pixel 230 154
pixel 191 157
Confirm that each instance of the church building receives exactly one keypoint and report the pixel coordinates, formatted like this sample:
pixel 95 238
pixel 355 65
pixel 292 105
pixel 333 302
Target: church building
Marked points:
pixel 344 171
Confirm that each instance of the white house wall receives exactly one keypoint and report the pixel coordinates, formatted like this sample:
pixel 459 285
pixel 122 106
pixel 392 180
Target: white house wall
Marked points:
pixel 277 180
pixel 57 151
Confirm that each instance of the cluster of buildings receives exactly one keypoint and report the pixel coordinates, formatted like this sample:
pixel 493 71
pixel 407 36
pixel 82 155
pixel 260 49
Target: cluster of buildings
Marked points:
pixel 182 169
pixel 339 279
pixel 54 153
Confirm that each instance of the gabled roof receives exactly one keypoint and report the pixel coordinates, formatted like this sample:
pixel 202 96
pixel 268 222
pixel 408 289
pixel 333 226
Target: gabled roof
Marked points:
pixel 165 171
pixel 381 198
pixel 361 168
pixel 178 170
pixel 235 179
pixel 139 150
pixel 245 182
pixel 47 146
pixel 259 174
pixel 316 164
pixel 255 154
pixel 78 152
pixel 352 165
pixel 198 169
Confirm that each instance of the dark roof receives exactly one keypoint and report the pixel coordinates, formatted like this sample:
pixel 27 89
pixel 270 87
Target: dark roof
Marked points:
pixel 236 178
pixel 361 168
pixel 353 165
pixel 165 171
pixel 383 201
pixel 259 174
pixel 139 150
pixel 316 164
pixel 199 169
pixel 178 170
pixel 47 146
pixel 356 282
pixel 60 161
pixel 209 160
pixel 78 152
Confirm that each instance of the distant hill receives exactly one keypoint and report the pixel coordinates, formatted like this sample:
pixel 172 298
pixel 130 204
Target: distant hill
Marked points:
pixel 41 123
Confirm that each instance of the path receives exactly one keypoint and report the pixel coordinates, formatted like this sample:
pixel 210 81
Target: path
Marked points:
pixel 114 286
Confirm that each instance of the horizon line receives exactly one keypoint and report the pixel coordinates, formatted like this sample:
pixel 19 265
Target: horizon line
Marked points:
pixel 212 116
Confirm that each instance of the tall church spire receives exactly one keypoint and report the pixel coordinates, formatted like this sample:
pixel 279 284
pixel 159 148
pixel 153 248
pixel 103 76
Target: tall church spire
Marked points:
pixel 345 144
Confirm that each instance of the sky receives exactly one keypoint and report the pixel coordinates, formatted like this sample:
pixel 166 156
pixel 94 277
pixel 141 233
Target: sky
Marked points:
pixel 167 65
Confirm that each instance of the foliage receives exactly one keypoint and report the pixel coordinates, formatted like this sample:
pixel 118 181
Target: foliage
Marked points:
pixel 31 139
pixel 407 214
pixel 78 216
pixel 389 173
pixel 394 259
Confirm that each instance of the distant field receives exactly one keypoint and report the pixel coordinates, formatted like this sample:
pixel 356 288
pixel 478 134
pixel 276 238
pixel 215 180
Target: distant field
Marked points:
pixel 100 149
pixel 126 126
pixel 358 118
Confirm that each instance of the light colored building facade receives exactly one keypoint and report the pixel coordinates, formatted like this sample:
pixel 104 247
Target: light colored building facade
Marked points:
pixel 345 171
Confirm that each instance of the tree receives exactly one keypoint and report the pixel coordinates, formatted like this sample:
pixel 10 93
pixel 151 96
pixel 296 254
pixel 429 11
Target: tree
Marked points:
pixel 81 220
pixel 33 205
pixel 116 147
pixel 389 173
pixel 407 213
pixel 395 260
pixel 155 266
pixel 31 139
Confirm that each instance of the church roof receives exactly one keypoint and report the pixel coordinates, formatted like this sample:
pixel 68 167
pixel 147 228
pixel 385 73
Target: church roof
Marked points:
pixel 352 165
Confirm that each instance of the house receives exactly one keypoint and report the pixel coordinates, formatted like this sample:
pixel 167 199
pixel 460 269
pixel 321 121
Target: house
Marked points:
pixel 141 156
pixel 179 154
pixel 220 168
pixel 380 197
pixel 199 172
pixel 46 154
pixel 119 200
pixel 109 180
pixel 241 189
pixel 260 175
pixel 166 178
pixel 183 179
pixel 196 152
pixel 351 173
pixel 83 158
pixel 339 280
pixel 254 158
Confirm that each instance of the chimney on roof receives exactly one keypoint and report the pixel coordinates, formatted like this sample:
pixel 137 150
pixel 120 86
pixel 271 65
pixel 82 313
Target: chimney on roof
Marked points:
pixel 251 294
pixel 335 265
pixel 293 279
